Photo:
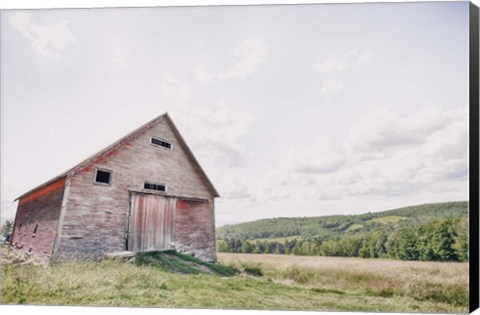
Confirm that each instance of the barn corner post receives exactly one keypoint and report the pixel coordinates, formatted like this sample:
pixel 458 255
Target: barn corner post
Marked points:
pixel 128 213
pixel 63 210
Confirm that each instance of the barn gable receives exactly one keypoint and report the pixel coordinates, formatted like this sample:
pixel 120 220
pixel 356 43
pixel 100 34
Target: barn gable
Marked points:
pixel 111 149
pixel 154 160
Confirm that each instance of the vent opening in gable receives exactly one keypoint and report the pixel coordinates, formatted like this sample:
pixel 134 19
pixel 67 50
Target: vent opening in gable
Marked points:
pixel 157 187
pixel 102 177
pixel 160 143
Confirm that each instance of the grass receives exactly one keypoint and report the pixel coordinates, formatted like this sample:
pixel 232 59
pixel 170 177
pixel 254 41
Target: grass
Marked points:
pixel 277 239
pixel 354 227
pixel 173 261
pixel 388 219
pixel 272 282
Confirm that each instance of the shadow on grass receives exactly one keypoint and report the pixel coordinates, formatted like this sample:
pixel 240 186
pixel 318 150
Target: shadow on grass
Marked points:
pixel 175 262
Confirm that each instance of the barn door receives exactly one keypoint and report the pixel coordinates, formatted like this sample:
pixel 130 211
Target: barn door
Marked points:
pixel 152 222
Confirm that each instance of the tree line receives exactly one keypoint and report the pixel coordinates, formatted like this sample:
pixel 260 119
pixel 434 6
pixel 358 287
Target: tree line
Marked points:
pixel 442 240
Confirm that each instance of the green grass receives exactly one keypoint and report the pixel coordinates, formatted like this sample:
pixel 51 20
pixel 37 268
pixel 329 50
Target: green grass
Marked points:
pixel 151 281
pixel 354 227
pixel 388 219
pixel 172 261
pixel 277 239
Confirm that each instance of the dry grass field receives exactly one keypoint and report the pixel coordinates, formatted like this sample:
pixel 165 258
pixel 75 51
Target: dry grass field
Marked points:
pixel 441 282
pixel 277 282
pixel 441 273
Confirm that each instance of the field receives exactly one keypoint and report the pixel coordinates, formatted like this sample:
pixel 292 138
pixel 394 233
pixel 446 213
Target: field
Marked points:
pixel 271 282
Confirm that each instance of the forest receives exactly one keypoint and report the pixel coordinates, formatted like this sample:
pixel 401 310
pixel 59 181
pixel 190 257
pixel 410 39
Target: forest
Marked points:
pixel 431 232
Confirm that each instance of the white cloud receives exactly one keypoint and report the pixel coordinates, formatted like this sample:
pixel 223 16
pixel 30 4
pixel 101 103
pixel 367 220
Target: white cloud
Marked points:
pixel 118 57
pixel 315 158
pixel 50 39
pixel 330 87
pixel 342 62
pixel 202 75
pixel 396 153
pixel 175 90
pixel 215 134
pixel 335 66
pixel 334 63
pixel 364 58
pixel 385 154
pixel 233 186
pixel 248 58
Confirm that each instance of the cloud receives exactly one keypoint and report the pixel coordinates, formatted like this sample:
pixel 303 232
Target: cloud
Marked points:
pixel 118 57
pixel 330 87
pixel 342 62
pixel 234 186
pixel 381 131
pixel 248 58
pixel 202 75
pixel 49 39
pixel 386 158
pixel 364 58
pixel 385 154
pixel 316 158
pixel 177 91
pixel 334 63
pixel 337 65
pixel 405 153
pixel 214 134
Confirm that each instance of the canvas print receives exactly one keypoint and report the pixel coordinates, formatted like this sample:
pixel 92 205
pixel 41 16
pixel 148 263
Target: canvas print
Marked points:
pixel 277 157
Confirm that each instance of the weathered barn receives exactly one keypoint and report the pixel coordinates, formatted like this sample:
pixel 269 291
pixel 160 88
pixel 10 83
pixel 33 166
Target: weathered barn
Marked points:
pixel 144 192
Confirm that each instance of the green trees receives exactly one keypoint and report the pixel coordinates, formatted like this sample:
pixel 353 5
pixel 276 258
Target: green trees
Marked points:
pixel 436 232
pixel 247 247
pixel 373 245
pixel 6 229
pixel 441 240
pixel 222 246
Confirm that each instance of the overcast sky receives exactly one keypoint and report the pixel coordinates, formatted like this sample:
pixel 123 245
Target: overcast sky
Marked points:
pixel 301 110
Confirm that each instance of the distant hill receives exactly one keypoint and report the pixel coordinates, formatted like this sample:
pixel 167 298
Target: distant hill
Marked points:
pixel 335 226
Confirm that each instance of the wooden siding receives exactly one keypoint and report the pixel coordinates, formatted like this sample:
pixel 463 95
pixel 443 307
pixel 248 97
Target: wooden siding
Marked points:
pixel 151 224
pixel 36 221
pixel 96 216
pixel 195 228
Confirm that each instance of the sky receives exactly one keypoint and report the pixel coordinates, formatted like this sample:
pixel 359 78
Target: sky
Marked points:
pixel 298 110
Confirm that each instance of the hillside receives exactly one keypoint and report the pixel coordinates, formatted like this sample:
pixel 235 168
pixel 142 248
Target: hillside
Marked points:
pixel 335 226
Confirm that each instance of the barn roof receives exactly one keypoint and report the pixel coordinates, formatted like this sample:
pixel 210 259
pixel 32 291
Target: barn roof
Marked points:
pixel 129 136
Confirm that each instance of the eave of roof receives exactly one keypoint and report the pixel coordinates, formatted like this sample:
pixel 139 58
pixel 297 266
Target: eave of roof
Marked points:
pixel 72 170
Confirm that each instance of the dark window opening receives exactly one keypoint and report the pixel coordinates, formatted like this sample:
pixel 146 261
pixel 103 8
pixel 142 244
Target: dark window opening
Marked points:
pixel 158 187
pixel 161 143
pixel 35 230
pixel 102 177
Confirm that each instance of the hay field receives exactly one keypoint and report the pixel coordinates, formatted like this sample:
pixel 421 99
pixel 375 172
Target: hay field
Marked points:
pixel 278 282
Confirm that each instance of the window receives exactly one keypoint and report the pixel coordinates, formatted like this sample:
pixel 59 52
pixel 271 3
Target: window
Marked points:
pixel 158 187
pixel 102 177
pixel 160 143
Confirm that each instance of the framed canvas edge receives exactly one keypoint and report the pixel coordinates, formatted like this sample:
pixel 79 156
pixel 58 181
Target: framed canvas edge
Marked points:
pixel 474 158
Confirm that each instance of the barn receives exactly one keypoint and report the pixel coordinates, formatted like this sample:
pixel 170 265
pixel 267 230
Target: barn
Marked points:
pixel 144 192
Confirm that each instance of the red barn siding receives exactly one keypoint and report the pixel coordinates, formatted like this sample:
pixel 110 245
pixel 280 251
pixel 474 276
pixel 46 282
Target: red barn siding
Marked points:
pixel 95 218
pixel 40 210
pixel 194 228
